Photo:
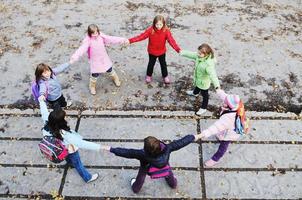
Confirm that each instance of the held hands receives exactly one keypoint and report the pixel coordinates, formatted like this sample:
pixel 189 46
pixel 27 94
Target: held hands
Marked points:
pixel 42 98
pixel 125 44
pixel 105 147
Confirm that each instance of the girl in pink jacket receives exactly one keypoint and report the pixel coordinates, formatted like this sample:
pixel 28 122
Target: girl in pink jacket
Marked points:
pixel 224 127
pixel 94 45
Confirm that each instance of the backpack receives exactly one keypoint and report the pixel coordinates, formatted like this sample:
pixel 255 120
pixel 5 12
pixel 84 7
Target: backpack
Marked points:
pixel 35 90
pixel 155 172
pixel 241 121
pixel 53 149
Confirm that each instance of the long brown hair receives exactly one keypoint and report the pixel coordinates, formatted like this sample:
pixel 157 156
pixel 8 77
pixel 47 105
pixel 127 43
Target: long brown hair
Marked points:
pixel 159 18
pixel 56 122
pixel 152 146
pixel 39 71
pixel 206 49
pixel 92 28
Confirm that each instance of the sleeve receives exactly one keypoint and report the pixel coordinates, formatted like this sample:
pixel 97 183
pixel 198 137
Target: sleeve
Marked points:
pixel 42 88
pixel 172 42
pixel 128 153
pixel 178 144
pixel 44 111
pixel 60 68
pixel 188 54
pixel 77 140
pixel 221 124
pixel 81 50
pixel 141 37
pixel 112 39
pixel 212 73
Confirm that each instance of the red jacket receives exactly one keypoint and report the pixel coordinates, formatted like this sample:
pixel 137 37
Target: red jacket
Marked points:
pixel 157 40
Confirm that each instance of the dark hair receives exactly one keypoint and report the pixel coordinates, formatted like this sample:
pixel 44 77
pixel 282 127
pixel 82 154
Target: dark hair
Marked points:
pixel 152 146
pixel 40 69
pixel 56 122
pixel 159 18
pixel 92 28
pixel 206 49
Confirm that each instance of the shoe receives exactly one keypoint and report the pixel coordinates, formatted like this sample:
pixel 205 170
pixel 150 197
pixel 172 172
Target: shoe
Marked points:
pixel 201 111
pixel 167 80
pixel 69 103
pixel 92 85
pixel 115 79
pixel 190 93
pixel 210 163
pixel 148 79
pixel 132 181
pixel 93 177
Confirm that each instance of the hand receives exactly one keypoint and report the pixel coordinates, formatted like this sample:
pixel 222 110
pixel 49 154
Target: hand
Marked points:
pixel 105 147
pixel 42 98
pixel 71 61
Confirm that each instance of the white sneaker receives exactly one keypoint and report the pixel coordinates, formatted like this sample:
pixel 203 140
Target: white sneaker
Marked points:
pixel 93 177
pixel 190 93
pixel 201 111
pixel 69 103
pixel 132 181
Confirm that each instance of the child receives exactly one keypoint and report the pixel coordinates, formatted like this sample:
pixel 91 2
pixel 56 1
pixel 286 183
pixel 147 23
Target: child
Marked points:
pixel 56 125
pixel 204 74
pixel 49 87
pixel 158 34
pixel 154 155
pixel 224 127
pixel 94 44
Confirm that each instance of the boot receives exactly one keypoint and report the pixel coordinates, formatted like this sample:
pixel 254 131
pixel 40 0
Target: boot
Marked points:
pixel 92 85
pixel 115 78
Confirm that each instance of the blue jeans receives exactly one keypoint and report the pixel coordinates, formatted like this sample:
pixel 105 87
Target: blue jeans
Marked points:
pixel 74 160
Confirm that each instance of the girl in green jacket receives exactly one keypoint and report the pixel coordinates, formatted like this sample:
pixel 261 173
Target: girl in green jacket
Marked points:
pixel 204 74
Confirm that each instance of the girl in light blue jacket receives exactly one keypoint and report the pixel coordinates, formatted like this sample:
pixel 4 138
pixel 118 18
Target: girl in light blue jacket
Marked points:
pixel 56 125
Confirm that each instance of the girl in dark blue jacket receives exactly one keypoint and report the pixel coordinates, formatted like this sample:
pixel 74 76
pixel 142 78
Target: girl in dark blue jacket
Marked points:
pixel 154 159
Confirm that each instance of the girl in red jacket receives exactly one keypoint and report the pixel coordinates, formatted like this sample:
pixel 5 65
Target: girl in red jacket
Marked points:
pixel 158 34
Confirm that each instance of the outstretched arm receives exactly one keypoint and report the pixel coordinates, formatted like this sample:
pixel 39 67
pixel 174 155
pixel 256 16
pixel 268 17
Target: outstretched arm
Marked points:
pixel 178 144
pixel 141 37
pixel 188 54
pixel 172 42
pixel 112 39
pixel 128 153
pixel 81 50
pixel 60 68
pixel 44 111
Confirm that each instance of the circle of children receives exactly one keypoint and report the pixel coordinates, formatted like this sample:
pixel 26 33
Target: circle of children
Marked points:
pixel 61 143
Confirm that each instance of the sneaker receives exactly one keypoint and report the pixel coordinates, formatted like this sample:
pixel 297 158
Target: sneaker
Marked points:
pixel 167 80
pixel 132 181
pixel 190 93
pixel 148 79
pixel 201 111
pixel 69 103
pixel 210 163
pixel 93 177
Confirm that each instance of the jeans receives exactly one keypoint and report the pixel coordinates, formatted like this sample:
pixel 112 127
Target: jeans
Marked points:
pixel 223 146
pixel 141 175
pixel 163 64
pixel 74 160
pixel 59 103
pixel 95 75
pixel 205 96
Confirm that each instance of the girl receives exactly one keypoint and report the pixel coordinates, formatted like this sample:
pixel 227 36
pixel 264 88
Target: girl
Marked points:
pixel 94 44
pixel 154 155
pixel 158 34
pixel 224 127
pixel 204 74
pixel 56 125
pixel 49 87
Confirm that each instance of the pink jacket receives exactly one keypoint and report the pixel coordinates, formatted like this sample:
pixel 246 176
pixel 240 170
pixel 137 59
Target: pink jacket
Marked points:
pixel 98 57
pixel 224 127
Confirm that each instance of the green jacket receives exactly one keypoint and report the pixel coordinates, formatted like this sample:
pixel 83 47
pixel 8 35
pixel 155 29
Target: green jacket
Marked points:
pixel 204 72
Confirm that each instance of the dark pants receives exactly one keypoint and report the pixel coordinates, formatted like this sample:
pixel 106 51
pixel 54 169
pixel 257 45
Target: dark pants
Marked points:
pixel 74 160
pixel 59 103
pixel 223 146
pixel 205 96
pixel 140 179
pixel 95 75
pixel 163 65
